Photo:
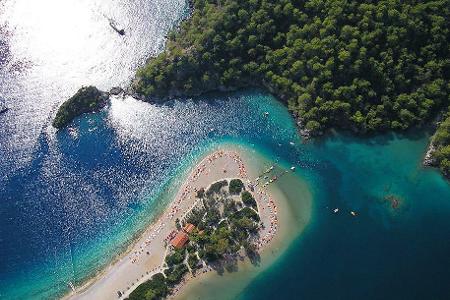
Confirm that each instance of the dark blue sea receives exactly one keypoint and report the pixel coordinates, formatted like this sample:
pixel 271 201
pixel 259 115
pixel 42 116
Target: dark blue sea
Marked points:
pixel 71 201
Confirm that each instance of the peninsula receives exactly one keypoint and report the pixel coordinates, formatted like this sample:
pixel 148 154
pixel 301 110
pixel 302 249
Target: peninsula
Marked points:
pixel 86 99
pixel 362 66
pixel 220 216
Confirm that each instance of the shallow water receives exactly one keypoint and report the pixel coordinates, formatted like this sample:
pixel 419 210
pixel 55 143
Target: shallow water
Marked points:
pixel 71 201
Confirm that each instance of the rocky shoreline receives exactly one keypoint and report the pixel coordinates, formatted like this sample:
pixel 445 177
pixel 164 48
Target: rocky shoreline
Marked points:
pixel 428 160
pixel 86 99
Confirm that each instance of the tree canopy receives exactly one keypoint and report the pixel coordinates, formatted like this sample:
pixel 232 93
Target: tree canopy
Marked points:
pixel 441 140
pixel 86 99
pixel 360 65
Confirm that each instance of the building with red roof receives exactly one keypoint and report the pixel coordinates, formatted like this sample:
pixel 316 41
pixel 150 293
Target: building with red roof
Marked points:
pixel 179 240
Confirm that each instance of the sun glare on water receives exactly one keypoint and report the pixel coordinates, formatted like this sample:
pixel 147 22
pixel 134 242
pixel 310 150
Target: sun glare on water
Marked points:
pixel 53 28
pixel 57 34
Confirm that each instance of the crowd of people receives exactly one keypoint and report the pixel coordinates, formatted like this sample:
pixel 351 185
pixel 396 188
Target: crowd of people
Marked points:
pixel 265 204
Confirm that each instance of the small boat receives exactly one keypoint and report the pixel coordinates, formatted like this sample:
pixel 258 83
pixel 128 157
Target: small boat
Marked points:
pixel 292 168
pixel 336 210
pixel 269 169
pixel 116 27
pixel 353 213
pixel 71 286
pixel 266 114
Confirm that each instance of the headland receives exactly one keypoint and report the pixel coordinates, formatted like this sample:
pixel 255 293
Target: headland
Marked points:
pixel 171 249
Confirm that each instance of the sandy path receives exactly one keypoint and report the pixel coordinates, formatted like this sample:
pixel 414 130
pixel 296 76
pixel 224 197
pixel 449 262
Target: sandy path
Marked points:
pixel 147 254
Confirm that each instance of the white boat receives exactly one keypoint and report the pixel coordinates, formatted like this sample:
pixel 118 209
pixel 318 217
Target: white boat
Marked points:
pixel 336 210
pixel 71 286
pixel 116 27
pixel 353 213
pixel 293 168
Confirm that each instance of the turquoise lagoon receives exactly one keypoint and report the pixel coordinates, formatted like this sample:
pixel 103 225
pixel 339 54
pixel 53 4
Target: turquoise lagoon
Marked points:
pixel 71 202
pixel 90 190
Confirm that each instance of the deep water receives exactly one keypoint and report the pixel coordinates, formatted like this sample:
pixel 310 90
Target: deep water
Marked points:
pixel 71 201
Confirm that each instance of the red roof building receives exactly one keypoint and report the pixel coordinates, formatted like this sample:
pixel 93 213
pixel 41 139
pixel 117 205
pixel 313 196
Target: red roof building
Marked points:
pixel 180 240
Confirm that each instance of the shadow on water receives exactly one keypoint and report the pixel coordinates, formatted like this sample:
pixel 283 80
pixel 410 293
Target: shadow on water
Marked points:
pixel 375 139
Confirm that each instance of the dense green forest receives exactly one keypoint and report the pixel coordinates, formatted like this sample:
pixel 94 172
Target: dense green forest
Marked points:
pixel 441 141
pixel 360 65
pixel 85 100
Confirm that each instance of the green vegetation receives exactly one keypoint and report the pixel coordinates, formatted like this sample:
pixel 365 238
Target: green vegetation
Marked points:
pixel 175 258
pixel 200 193
pixel 216 187
pixel 195 217
pixel 360 65
pixel 87 99
pixel 441 142
pixel 155 288
pixel 175 274
pixel 246 212
pixel 236 186
pixel 248 199
pixel 193 261
pixel 223 228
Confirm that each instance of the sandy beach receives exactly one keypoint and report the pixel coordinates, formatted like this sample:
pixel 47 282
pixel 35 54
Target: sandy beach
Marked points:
pixel 147 254
pixel 293 201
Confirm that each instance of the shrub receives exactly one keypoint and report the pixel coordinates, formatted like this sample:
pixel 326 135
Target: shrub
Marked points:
pixel 236 186
pixel 248 199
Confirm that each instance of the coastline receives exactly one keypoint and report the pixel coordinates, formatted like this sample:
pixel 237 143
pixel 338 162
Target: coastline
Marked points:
pixel 294 215
pixel 139 266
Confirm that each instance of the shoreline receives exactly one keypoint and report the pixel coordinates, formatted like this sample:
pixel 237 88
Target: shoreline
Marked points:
pixel 90 280
pixel 293 218
pixel 142 258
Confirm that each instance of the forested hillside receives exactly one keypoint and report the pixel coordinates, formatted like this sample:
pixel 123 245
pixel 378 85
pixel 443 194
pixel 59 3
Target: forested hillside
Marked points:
pixel 361 65
pixel 441 142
